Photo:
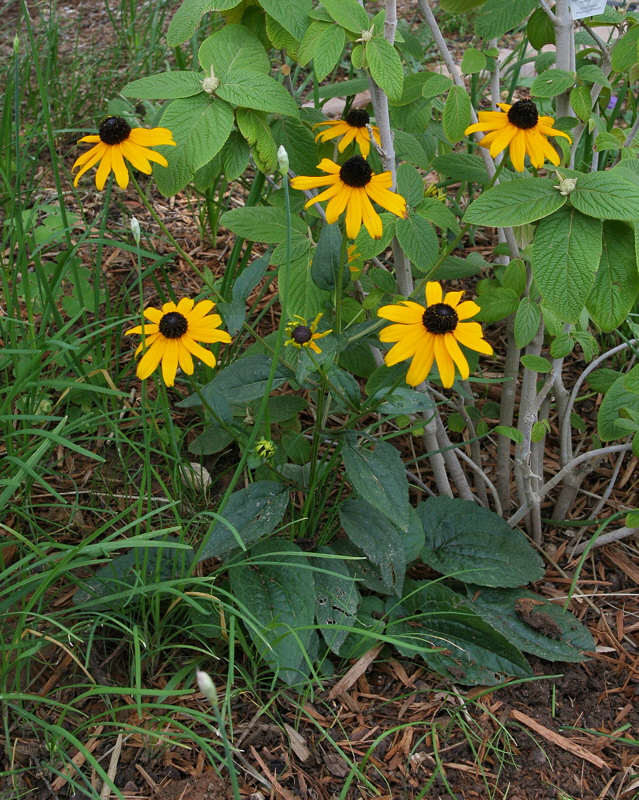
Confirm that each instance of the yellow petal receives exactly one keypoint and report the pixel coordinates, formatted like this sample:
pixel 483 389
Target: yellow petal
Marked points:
pixel 326 165
pixel 391 201
pixel 120 169
pixel 337 205
pixel 452 298
pixel 412 337
pixel 154 314
pixel 456 354
pixel 445 365
pixel 104 169
pixel 329 193
pixel 304 184
pixel 548 130
pixel 185 306
pixel 168 307
pixel 147 342
pixel 98 152
pixel 199 352
pixel 132 154
pixel 361 137
pixel 433 293
pixel 422 362
pixel 472 341
pixel 93 138
pixel 518 150
pixel 80 160
pixel 467 309
pixel 406 311
pixel 354 213
pixel 170 361
pixel 371 218
pixel 535 151
pixel 184 358
pixel 146 329
pixel 151 138
pixel 347 139
pixel 502 140
pixel 201 310
pixel 150 360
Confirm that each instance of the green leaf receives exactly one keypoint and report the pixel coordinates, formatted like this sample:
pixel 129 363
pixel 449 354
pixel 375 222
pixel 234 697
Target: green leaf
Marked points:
pixel 165 86
pixel 235 156
pixel 473 61
pixel 409 148
pixel 326 265
pixel 462 166
pixel 540 29
pixel 294 17
pixel 607 141
pixel 459 6
pixel 536 363
pixel 378 476
pixel 308 45
pixel 532 623
pixel 515 202
pixel 349 14
pixel 631 380
pixel 436 85
pixel 259 224
pixel 591 73
pixel 279 37
pixel 624 52
pixel 250 514
pixel 414 84
pixel 562 345
pixel 581 102
pixel 304 297
pixel 511 433
pixel 497 304
pixel 277 589
pixel 469 650
pixel 527 322
pixel 418 240
pixel 378 538
pixel 608 195
pixel 200 127
pixel 456 114
pixel 188 16
pixel 233 47
pixel 410 184
pixel 300 245
pixel 439 214
pixel 254 127
pixel 337 598
pixel 385 66
pixel 299 143
pixel 552 82
pixel 616 285
pixel 565 257
pixel 500 16
pixel 616 398
pixel 602 379
pixel 251 89
pixel 328 51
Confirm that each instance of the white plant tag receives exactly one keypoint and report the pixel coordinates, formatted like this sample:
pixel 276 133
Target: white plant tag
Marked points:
pixel 586 8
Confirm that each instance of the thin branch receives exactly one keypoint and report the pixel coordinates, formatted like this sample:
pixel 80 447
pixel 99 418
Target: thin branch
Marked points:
pixel 480 472
pixel 548 10
pixel 605 538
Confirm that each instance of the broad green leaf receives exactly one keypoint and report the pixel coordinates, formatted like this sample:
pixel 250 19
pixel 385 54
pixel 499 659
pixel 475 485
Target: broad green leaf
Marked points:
pixel 470 651
pixel 540 29
pixel 368 247
pixel 277 589
pixel 536 363
pixel 377 537
pixel 292 16
pixel 616 398
pixel 254 127
pixel 509 432
pixel 565 257
pixel 328 52
pixel 165 86
pixel 631 380
pixel 438 84
pixel 593 74
pixel 409 148
pixel 616 285
pixel 500 16
pixel 378 476
pixel 581 102
pixel 188 16
pixel 280 38
pixel 527 321
pixel 439 214
pixel 607 141
pixel 300 245
pixel 410 185
pixel 462 167
pixel 326 265
pixel 250 514
pixel 299 143
pixel 304 297
pixel 385 66
pixel 349 14
pixel 475 544
pixel 343 88
pixel 233 47
pixel 308 46
pixel 337 598
pixel 404 400
pixel 459 6
pixel 456 113
pixel 624 52
pixel 259 224
pixel 251 89
pixel 552 82
pixel 413 85
pixel 515 202
pixel 497 304
pixel 532 623
pixel 608 195
pixel 473 61
pixel 234 156
pixel 418 240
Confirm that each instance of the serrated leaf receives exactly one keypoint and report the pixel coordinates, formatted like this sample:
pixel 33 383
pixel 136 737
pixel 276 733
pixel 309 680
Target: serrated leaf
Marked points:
pixel 439 214
pixel 500 16
pixel 515 202
pixel 473 61
pixel 565 256
pixel 260 224
pixel 616 398
pixel 475 544
pixel 299 143
pixel 233 47
pixel 254 127
pixel 234 156
pixel 562 345
pixel 616 284
pixel 608 195
pixel 349 14
pixel 624 52
pixel 527 321
pixel 337 598
pixel 552 82
pixel 385 66
pixel 510 433
pixel 165 86
pixel 378 476
pixel 308 45
pixel 410 184
pixel 304 298
pixel 188 16
pixel 593 74
pixel 456 114
pixel 250 514
pixel 536 363
pixel 581 102
pixel 418 240
pixel 497 304
pixel 540 29
pixel 328 51
pixel 250 89
pixel 327 271
pixel 462 166
pixel 294 17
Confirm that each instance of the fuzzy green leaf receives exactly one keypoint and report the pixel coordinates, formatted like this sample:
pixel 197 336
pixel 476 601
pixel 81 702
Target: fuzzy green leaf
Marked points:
pixel 385 66
pixel 616 285
pixel 527 321
pixel 259 224
pixel 188 16
pixel 552 82
pixel 233 47
pixel 418 240
pixel 456 113
pixel 251 89
pixel 515 202
pixel 165 86
pixel 294 17
pixel 349 14
pixel 500 16
pixel 329 48
pixel 608 195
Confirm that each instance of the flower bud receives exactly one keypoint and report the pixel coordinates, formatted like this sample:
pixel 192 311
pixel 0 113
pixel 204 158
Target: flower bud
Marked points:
pixel 282 159
pixel 135 229
pixel 16 44
pixel 206 686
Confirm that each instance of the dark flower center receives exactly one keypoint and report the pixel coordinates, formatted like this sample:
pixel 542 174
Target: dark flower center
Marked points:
pixel 523 114
pixel 357 118
pixel 114 130
pixel 173 325
pixel 355 172
pixel 302 334
pixel 440 318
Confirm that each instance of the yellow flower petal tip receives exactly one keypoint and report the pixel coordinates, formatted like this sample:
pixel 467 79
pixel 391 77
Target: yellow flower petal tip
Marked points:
pixel 521 129
pixel 353 128
pixel 351 188
pixel 432 334
pixel 173 337
pixel 116 143
pixel 301 334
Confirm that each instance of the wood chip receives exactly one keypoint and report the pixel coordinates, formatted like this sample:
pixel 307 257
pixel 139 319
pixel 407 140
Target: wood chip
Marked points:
pixel 358 668
pixel 77 761
pixel 298 743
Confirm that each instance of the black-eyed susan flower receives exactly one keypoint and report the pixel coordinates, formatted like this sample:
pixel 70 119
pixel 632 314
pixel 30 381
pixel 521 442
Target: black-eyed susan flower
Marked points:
pixel 117 140
pixel 352 127
pixel 352 187
pixel 173 335
pixel 301 334
pixel 433 334
pixel 520 128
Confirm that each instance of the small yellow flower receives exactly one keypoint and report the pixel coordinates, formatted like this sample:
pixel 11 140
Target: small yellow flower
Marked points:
pixel 352 127
pixel 116 141
pixel 301 334
pixel 265 449
pixel 522 130
pixel 352 187
pixel 433 333
pixel 173 335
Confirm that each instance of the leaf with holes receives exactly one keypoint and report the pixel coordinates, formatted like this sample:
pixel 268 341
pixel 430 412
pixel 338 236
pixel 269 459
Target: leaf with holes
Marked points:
pixel 337 597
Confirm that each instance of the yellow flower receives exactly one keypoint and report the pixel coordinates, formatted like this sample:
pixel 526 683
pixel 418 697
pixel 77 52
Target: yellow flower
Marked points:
pixel 433 334
pixel 173 335
pixel 522 130
pixel 301 334
pixel 117 140
pixel 352 187
pixel 353 126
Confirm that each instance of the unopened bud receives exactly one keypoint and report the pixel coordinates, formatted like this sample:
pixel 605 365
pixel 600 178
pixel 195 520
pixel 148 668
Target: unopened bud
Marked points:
pixel 566 185
pixel 210 83
pixel 282 159
pixel 135 229
pixel 16 43
pixel 206 686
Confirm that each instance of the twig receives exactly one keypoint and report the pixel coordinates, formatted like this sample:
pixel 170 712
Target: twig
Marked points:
pixel 449 452
pixel 507 414
pixel 605 538
pixel 480 472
